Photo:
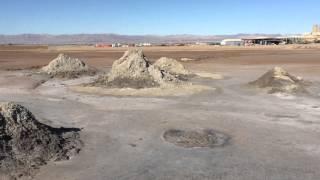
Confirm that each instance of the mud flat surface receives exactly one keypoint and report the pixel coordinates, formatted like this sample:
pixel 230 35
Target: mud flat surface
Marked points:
pixel 270 136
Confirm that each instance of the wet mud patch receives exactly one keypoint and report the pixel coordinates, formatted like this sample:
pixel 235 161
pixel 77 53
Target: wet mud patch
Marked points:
pixel 308 122
pixel 207 138
pixel 181 90
pixel 125 82
pixel 283 115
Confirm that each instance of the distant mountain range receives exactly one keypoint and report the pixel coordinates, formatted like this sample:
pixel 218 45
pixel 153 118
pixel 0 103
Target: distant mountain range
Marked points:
pixel 116 38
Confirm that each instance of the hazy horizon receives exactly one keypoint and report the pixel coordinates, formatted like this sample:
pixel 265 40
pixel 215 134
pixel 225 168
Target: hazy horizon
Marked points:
pixel 159 18
pixel 159 35
pixel 114 38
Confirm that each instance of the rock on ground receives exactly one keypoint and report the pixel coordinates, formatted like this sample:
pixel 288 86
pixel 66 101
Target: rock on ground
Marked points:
pixel 133 70
pixel 27 144
pixel 279 80
pixel 66 66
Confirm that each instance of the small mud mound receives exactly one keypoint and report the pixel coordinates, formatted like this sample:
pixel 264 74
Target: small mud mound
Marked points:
pixel 67 67
pixel 173 67
pixel 279 80
pixel 27 144
pixel 190 139
pixel 133 70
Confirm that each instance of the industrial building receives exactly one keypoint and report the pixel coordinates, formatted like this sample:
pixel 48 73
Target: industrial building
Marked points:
pixel 314 36
pixel 232 42
pixel 263 41
pixel 316 29
pixel 253 41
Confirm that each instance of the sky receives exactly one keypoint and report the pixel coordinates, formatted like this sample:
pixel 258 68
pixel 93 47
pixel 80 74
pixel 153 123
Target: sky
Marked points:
pixel 158 17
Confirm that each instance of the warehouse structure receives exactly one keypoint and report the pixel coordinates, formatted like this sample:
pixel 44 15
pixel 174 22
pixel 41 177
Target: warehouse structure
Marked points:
pixel 314 36
pixel 263 41
pixel 232 42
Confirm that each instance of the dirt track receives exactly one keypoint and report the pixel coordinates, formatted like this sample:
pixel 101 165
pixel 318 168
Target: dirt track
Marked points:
pixel 272 137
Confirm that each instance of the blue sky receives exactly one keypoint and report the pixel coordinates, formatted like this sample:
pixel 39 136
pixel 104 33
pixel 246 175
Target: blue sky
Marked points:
pixel 161 17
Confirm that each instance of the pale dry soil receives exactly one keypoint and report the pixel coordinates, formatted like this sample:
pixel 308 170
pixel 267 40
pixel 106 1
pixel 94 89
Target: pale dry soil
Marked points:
pixel 272 137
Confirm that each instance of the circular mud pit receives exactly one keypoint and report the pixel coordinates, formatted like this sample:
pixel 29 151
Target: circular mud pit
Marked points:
pixel 190 139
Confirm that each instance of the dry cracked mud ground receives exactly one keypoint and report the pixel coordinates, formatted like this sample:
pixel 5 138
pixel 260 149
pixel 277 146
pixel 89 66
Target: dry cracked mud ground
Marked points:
pixel 271 136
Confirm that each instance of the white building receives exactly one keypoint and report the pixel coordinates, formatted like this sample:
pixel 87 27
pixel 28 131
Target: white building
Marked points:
pixel 143 44
pixel 201 43
pixel 116 45
pixel 232 42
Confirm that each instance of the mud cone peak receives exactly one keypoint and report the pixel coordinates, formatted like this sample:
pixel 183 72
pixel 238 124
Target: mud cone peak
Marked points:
pixel 133 53
pixel 279 80
pixel 62 55
pixel 133 70
pixel 132 63
pixel 279 71
pixel 172 66
pixel 27 144
pixel 66 66
pixel 15 114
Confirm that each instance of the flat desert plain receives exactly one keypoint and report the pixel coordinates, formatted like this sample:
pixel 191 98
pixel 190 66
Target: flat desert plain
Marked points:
pixel 270 136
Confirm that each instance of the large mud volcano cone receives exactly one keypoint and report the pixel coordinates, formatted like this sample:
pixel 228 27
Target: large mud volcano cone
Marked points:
pixel 133 70
pixel 65 66
pixel 279 80
pixel 173 67
pixel 27 144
